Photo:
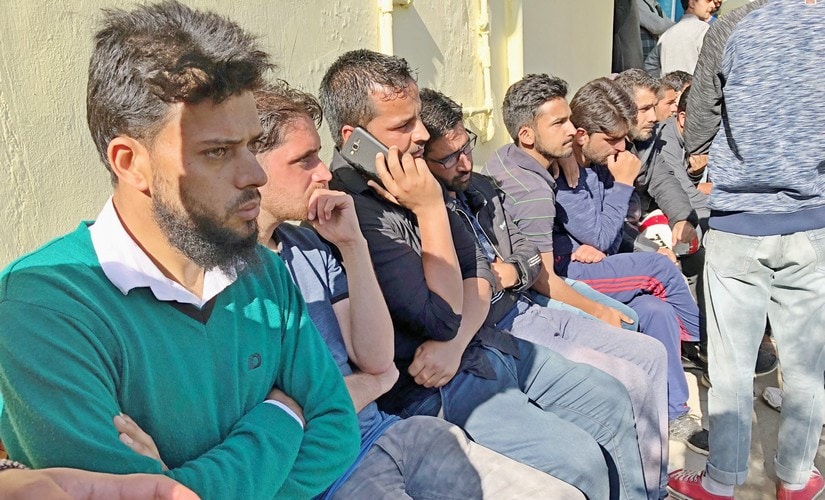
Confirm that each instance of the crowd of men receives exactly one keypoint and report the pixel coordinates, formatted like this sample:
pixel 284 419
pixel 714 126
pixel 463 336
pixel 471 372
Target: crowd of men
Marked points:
pixel 434 327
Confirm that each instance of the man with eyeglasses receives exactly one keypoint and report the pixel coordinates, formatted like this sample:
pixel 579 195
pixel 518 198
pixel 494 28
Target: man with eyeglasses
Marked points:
pixel 512 396
pixel 638 362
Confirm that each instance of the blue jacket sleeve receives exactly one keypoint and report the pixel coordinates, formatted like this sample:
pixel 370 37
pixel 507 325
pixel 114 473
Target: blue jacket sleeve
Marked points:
pixel 593 212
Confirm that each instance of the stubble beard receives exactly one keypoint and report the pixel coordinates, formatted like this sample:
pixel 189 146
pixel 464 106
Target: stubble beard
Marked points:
pixel 563 151
pixel 592 158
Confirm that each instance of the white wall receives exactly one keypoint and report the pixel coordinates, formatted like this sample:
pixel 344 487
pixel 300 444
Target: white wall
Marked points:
pixel 51 177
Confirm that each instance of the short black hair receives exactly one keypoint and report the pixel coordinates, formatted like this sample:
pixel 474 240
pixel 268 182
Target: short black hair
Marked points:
pixel 439 113
pixel 155 55
pixel 676 80
pixel 279 106
pixel 631 79
pixel 682 105
pixel 348 84
pixel 524 98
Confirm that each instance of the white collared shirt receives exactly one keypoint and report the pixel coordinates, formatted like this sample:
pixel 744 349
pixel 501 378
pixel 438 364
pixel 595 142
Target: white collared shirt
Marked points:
pixel 127 266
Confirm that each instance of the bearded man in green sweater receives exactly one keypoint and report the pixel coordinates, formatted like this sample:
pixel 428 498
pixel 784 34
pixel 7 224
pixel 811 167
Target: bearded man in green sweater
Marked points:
pixel 165 308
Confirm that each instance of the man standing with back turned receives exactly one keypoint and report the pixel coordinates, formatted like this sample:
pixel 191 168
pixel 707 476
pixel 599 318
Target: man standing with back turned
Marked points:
pixel 766 247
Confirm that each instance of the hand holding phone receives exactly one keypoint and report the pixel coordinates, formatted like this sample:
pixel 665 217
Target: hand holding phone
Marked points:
pixel 398 178
pixel 410 182
pixel 361 149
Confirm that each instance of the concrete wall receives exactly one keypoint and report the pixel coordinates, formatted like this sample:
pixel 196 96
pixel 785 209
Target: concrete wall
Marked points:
pixel 51 177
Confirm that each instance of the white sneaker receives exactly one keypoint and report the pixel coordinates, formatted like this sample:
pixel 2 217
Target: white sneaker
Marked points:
pixel 773 396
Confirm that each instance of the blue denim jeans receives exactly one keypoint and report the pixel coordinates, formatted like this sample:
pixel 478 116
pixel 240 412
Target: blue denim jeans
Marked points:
pixel 585 290
pixel 746 280
pixel 428 458
pixel 637 361
pixel 567 419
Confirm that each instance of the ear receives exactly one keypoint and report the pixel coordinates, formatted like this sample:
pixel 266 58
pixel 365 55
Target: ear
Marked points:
pixel 346 131
pixel 582 138
pixel 129 160
pixel 526 136
pixel 681 117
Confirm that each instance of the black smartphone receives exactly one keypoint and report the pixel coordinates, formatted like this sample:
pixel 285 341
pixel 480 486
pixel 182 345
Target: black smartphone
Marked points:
pixel 360 150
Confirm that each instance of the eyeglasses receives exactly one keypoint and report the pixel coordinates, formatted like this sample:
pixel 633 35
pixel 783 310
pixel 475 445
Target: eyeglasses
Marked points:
pixel 451 160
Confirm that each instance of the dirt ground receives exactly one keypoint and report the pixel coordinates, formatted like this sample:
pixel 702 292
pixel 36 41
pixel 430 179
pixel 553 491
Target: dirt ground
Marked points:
pixel 762 481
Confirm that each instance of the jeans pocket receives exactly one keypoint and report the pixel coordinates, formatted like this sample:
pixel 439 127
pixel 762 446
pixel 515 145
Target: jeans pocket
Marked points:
pixel 817 239
pixel 730 255
pixel 429 406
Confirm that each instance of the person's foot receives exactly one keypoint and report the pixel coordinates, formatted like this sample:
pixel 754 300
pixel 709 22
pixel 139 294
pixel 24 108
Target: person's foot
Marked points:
pixel 706 380
pixel 683 484
pixel 766 361
pixel 692 359
pixel 812 489
pixel 684 426
pixel 698 442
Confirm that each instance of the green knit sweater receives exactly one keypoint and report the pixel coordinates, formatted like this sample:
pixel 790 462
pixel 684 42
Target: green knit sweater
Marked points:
pixel 74 352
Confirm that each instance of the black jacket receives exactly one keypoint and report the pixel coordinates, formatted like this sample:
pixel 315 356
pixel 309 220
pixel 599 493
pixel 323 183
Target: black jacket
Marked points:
pixel 511 246
pixel 418 314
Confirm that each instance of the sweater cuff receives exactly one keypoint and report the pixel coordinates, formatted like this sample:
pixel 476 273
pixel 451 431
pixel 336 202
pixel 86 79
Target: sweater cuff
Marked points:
pixel 287 410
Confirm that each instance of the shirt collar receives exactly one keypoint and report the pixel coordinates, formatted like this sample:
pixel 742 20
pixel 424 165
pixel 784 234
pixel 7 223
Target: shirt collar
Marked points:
pixel 348 174
pixel 128 267
pixel 525 161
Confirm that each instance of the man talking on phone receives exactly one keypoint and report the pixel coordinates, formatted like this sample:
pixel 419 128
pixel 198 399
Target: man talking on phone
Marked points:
pixel 512 396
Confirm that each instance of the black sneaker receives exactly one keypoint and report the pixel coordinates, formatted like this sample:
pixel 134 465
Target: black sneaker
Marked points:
pixel 684 427
pixel 698 442
pixel 706 380
pixel 692 358
pixel 766 362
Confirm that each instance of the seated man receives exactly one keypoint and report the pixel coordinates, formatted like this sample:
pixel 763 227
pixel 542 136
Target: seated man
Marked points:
pixel 649 283
pixel 672 153
pixel 637 361
pixel 165 307
pixel 436 458
pixel 655 186
pixel 512 396
pixel 671 87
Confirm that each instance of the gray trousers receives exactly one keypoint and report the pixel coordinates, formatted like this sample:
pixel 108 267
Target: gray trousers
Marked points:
pixel 749 279
pixel 637 361
pixel 427 458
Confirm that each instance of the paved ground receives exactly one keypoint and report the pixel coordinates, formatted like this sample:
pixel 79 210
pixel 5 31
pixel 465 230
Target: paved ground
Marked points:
pixel 761 483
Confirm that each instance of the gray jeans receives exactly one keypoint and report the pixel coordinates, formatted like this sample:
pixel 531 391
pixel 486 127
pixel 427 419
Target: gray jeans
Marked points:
pixel 428 458
pixel 637 361
pixel 746 280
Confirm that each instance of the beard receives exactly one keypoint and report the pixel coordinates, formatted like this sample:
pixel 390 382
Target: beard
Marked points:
pixel 593 157
pixel 562 151
pixel 459 184
pixel 641 134
pixel 284 206
pixel 200 234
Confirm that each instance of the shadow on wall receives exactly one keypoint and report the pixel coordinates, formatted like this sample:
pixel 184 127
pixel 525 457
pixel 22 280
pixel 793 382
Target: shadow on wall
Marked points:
pixel 417 45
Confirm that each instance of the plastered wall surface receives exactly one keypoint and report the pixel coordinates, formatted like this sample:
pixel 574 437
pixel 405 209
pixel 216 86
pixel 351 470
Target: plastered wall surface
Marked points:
pixel 50 175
